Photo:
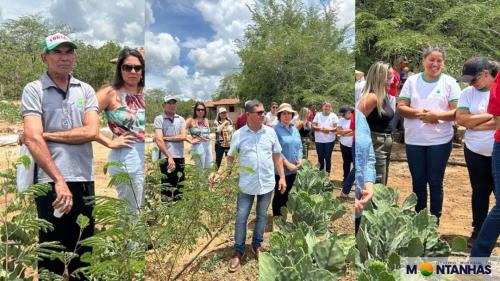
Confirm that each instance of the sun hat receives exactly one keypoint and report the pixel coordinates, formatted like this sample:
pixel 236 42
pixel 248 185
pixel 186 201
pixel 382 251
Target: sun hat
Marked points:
pixel 286 107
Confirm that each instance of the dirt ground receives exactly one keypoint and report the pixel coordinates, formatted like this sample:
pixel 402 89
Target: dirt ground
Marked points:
pixel 212 262
pixel 456 219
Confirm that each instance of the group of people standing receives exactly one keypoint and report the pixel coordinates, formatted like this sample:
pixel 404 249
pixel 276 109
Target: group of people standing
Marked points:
pixel 61 120
pixel 430 102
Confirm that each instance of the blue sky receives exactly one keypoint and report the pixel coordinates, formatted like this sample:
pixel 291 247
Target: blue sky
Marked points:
pixel 93 21
pixel 190 43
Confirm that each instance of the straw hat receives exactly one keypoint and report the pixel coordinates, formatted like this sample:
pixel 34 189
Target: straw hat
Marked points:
pixel 286 107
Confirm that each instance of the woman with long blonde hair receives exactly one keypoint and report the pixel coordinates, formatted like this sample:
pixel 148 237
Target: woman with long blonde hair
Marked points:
pixel 378 107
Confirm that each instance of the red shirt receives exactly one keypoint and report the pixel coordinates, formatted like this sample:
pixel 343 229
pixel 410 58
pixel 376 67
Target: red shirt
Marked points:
pixel 241 121
pixel 494 102
pixel 393 87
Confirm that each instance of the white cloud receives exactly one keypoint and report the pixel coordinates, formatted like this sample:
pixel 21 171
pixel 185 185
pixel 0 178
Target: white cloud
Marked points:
pixel 1 18
pixel 193 43
pixel 345 11
pixel 150 19
pixel 216 58
pixel 197 86
pixel 99 21
pixel 227 17
pixel 162 51
pixel 70 12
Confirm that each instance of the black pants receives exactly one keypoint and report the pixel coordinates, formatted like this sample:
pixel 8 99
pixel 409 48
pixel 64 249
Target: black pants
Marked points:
pixel 172 190
pixel 66 230
pixel 347 160
pixel 481 181
pixel 219 153
pixel 357 222
pixel 279 200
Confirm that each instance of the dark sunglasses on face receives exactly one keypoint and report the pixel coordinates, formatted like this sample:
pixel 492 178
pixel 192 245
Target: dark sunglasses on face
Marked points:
pixel 200 109
pixel 260 113
pixel 129 67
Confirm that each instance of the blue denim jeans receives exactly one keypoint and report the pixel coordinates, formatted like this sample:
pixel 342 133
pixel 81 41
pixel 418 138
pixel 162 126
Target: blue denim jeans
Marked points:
pixel 427 165
pixel 324 151
pixel 133 163
pixel 349 181
pixel 491 226
pixel 243 206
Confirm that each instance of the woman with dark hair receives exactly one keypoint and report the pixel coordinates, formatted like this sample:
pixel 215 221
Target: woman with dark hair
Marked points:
pixel 427 102
pixel 291 154
pixel 223 132
pixel 324 125
pixel 199 131
pixel 345 138
pixel 123 105
pixel 479 73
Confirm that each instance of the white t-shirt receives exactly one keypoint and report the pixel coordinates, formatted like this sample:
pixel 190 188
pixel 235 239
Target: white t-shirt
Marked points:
pixel 480 141
pixel 345 124
pixel 329 121
pixel 271 120
pixel 433 95
pixel 358 88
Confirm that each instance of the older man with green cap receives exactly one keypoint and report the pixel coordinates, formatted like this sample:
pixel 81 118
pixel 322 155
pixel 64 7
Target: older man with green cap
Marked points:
pixel 60 122
pixel 170 134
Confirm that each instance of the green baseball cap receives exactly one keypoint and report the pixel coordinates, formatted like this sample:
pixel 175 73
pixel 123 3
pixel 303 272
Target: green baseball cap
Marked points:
pixel 53 41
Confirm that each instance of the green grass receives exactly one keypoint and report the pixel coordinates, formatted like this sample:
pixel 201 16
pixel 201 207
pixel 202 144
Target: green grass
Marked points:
pixel 10 112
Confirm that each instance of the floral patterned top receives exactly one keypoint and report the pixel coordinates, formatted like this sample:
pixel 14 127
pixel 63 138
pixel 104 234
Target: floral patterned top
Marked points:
pixel 200 130
pixel 128 117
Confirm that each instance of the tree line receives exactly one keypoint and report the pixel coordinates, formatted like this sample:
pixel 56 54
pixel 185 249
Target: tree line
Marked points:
pixel 21 46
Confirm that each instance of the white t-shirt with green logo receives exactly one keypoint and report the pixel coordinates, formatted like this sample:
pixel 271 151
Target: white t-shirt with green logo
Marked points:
pixel 476 101
pixel 325 121
pixel 345 124
pixel 435 95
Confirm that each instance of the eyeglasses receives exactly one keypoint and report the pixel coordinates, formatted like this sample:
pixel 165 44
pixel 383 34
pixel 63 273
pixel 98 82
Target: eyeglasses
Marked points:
pixel 275 107
pixel 171 102
pixel 129 67
pixel 200 109
pixel 260 113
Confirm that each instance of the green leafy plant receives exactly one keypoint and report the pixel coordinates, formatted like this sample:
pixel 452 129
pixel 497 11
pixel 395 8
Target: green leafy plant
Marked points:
pixel 20 226
pixel 311 180
pixel 316 210
pixel 388 232
pixel 175 227
pixel 300 255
